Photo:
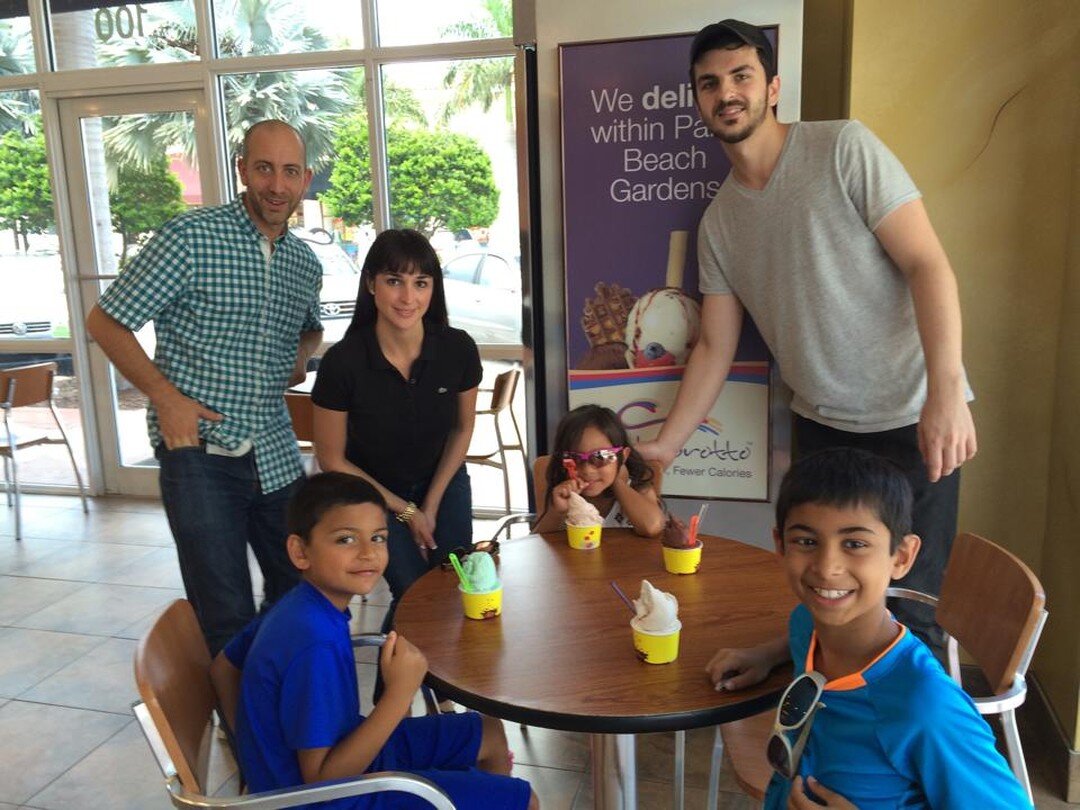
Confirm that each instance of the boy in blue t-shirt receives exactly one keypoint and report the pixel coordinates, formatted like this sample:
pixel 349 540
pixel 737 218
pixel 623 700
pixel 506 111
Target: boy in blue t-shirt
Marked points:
pixel 893 730
pixel 299 717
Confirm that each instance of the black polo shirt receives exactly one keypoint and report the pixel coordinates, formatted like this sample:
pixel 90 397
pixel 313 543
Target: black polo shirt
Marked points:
pixel 397 427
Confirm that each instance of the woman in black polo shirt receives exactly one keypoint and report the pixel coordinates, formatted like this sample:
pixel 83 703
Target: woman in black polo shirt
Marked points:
pixel 395 402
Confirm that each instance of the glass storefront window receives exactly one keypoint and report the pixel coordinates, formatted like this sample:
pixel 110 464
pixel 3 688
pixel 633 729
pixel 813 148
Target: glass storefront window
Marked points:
pixel 34 324
pixel 33 306
pixel 267 27
pixel 452 164
pixel 93 33
pixel 328 108
pixel 143 175
pixel 16 44
pixel 416 22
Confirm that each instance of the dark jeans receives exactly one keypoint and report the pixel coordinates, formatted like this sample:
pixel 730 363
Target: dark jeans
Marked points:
pixel 216 510
pixel 453 528
pixel 934 518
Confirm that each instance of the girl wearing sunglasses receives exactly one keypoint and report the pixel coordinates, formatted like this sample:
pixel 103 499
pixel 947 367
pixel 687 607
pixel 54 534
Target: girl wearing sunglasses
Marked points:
pixel 608 473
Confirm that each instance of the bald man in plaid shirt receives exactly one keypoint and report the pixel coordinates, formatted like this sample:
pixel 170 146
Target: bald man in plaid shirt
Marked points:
pixel 234 298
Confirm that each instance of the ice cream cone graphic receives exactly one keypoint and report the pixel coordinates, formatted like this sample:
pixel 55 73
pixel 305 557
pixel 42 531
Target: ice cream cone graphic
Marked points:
pixel 664 324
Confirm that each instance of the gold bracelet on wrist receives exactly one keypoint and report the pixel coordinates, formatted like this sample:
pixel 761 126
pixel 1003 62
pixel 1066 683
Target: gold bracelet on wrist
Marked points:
pixel 406 514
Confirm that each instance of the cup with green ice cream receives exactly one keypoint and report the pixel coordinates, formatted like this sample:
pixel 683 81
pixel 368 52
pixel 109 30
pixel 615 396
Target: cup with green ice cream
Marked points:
pixel 482 598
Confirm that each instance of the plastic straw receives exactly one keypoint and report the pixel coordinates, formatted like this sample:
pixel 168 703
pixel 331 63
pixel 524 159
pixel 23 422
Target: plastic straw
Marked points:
pixel 691 534
pixel 695 524
pixel 460 572
pixel 626 600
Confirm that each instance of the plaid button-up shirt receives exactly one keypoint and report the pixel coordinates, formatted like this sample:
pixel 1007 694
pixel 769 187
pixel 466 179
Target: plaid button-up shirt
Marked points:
pixel 228 324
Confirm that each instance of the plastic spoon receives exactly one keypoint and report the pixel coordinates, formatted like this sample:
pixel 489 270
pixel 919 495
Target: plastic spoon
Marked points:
pixel 465 583
pixel 619 592
pixel 571 468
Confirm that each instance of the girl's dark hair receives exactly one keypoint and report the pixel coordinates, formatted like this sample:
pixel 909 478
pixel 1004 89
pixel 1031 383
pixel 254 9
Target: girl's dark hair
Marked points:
pixel 846 477
pixel 322 492
pixel 402 251
pixel 568 435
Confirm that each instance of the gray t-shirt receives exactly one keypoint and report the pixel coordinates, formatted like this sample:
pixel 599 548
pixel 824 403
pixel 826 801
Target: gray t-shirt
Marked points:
pixel 802 258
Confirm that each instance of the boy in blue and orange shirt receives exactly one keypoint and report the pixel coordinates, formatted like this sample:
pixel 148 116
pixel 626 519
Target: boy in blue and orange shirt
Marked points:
pixel 299 717
pixel 893 730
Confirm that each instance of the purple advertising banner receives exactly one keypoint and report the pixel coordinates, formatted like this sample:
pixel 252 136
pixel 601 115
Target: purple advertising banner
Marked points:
pixel 639 169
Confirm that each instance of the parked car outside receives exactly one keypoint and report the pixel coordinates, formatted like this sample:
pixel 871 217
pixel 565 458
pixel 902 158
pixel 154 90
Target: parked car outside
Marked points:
pixel 483 296
pixel 483 290
pixel 27 311
pixel 340 282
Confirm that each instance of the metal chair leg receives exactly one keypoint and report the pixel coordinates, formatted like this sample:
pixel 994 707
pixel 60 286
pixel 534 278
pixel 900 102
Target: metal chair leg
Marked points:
pixel 15 488
pixel 1016 751
pixel 505 466
pixel 71 455
pixel 7 480
pixel 431 704
pixel 679 782
pixel 714 770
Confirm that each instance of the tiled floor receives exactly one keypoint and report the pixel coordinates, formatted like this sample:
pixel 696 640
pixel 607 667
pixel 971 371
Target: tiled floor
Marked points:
pixel 79 590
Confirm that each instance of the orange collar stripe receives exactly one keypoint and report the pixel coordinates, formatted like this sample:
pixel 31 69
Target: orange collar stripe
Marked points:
pixel 855 680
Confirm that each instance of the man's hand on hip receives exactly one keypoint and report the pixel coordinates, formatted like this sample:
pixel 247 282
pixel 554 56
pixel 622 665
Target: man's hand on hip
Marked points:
pixel 946 434
pixel 178 419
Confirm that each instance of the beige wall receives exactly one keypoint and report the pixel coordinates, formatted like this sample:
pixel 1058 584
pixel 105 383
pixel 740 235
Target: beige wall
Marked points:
pixel 1059 663
pixel 980 102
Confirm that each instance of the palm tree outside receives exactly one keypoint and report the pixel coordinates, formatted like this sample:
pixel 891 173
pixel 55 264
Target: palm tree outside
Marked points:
pixel 482 81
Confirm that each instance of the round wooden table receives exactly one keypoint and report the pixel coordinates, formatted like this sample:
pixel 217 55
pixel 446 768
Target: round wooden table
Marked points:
pixel 561 654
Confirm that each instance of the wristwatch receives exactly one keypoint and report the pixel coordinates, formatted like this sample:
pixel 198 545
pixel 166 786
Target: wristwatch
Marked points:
pixel 406 514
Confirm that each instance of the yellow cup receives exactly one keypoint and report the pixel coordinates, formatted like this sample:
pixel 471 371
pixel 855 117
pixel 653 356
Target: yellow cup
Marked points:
pixel 583 537
pixel 656 648
pixel 486 605
pixel 682 560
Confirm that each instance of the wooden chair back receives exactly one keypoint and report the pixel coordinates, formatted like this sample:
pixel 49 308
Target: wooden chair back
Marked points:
pixel 502 392
pixel 744 744
pixel 302 415
pixel 540 468
pixel 32 384
pixel 172 673
pixel 990 603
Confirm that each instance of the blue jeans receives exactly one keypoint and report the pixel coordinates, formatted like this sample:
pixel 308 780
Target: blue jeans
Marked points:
pixel 453 528
pixel 216 510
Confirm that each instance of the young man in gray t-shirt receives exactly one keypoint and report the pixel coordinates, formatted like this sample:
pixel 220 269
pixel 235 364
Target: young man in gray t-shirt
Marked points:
pixel 820 234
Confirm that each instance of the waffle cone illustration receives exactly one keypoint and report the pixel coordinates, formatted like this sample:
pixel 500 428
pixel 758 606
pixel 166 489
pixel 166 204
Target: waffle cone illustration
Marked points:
pixel 604 321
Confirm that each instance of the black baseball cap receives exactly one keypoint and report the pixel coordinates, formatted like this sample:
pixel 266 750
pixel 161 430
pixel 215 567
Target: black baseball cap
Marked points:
pixel 712 35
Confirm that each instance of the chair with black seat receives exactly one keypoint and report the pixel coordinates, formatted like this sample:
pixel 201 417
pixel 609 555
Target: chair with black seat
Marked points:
pixel 25 386
pixel 172 672
pixel 991 604
pixel 502 398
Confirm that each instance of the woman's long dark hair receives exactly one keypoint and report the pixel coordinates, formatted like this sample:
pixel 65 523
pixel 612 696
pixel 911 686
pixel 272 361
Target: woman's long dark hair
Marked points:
pixel 402 251
pixel 568 435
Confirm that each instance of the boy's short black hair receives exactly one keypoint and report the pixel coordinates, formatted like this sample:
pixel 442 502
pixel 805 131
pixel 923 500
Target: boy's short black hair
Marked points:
pixel 847 476
pixel 321 493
